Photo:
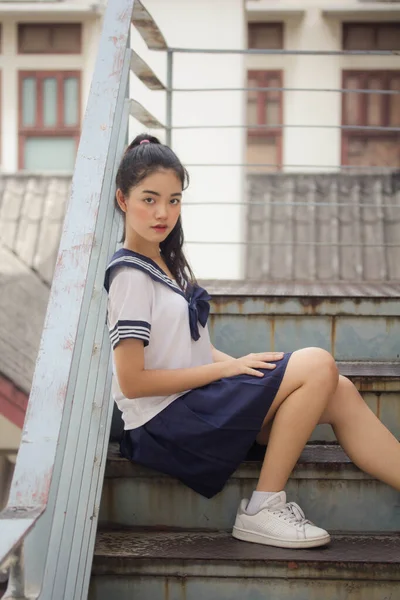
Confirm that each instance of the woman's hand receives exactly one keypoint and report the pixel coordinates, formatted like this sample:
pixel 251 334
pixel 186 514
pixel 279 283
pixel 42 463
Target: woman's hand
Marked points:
pixel 248 365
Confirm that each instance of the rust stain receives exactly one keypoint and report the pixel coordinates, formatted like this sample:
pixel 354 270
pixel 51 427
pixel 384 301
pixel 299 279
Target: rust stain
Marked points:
pixel 378 406
pixel 333 335
pixel 62 392
pixel 312 303
pixel 60 259
pixel 183 587
pixel 69 344
pixel 166 589
pixel 293 565
pixel 125 15
pixel 272 335
pixel 390 323
pixel 365 384
pixel 42 488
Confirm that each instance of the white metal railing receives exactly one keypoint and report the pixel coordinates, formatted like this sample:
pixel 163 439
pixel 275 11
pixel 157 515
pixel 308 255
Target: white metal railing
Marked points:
pixel 55 494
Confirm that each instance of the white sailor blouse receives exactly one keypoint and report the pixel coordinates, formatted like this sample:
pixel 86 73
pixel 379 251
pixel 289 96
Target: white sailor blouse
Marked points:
pixel 144 303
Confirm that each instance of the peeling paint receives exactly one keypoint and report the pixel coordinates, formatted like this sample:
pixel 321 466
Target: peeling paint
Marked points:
pixel 69 344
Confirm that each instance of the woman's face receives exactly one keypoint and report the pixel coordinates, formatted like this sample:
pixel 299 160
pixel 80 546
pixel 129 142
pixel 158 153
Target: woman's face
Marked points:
pixel 152 208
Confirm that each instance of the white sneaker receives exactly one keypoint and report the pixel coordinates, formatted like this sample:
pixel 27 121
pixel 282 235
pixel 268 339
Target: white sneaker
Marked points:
pixel 278 524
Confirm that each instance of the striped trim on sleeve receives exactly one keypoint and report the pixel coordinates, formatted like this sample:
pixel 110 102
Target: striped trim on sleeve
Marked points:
pixel 123 330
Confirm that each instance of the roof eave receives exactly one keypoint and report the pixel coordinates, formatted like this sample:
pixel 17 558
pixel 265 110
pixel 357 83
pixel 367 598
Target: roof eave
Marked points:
pixel 51 8
pixel 350 10
pixel 267 10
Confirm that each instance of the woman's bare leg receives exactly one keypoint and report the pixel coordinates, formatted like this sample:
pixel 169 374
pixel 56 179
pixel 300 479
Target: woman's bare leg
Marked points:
pixel 364 438
pixel 309 382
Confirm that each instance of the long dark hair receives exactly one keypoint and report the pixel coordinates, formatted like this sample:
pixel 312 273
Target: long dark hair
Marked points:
pixel 140 161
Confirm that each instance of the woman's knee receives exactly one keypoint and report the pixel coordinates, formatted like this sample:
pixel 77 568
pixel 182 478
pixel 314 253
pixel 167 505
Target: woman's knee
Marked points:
pixel 318 366
pixel 309 366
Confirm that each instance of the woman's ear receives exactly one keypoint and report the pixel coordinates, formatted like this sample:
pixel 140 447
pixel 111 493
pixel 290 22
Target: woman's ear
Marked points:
pixel 121 200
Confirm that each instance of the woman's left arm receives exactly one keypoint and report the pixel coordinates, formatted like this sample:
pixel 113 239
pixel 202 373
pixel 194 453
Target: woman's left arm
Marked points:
pixel 219 356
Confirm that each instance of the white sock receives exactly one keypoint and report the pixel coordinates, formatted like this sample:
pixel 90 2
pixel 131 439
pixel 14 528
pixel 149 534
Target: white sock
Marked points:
pixel 256 500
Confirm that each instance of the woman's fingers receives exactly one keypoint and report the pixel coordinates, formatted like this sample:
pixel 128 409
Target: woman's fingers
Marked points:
pixel 261 365
pixel 251 371
pixel 265 365
pixel 268 356
pixel 261 360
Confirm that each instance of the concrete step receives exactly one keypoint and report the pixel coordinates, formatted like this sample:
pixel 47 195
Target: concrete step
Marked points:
pixel 160 565
pixel 356 321
pixel 330 489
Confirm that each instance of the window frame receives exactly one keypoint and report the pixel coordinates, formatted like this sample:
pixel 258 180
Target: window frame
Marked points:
pixel 39 129
pixel 262 76
pixel 364 75
pixel 373 24
pixel 52 26
pixel 271 24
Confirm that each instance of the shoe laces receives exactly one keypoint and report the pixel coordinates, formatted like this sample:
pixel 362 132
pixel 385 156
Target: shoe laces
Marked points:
pixel 292 513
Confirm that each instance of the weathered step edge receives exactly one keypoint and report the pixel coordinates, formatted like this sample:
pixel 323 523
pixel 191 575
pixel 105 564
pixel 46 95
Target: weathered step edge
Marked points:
pixel 314 458
pixel 215 553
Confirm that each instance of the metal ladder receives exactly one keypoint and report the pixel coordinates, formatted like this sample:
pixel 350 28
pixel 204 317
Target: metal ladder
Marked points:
pixel 47 530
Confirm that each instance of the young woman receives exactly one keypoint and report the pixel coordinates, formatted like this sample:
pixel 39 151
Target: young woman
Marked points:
pixel 194 412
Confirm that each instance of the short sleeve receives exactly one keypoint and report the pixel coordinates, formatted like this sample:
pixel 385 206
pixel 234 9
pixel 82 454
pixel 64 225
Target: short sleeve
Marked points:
pixel 129 306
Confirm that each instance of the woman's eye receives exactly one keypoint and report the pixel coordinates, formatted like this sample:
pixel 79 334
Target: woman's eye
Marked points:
pixel 175 201
pixel 148 200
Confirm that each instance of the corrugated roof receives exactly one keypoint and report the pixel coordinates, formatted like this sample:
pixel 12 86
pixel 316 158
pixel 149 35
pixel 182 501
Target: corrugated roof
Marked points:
pixel 32 210
pixel 323 227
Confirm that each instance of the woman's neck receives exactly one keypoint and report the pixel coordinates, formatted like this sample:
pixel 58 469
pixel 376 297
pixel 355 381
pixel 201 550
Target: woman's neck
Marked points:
pixel 150 250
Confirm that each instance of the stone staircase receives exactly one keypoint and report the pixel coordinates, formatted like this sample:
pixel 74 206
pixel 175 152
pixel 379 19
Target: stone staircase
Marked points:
pixel 158 540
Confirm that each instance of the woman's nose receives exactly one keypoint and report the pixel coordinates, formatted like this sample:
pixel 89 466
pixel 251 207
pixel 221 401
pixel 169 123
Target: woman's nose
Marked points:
pixel 161 212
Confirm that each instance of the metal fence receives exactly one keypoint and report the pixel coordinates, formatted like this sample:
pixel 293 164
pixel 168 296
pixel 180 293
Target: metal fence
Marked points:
pixel 356 195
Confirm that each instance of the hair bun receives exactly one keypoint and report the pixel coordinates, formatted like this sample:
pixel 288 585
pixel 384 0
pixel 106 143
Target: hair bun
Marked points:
pixel 142 137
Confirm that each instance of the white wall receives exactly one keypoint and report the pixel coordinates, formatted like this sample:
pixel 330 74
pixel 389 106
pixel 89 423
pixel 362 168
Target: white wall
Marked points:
pixel 317 148
pixel 203 24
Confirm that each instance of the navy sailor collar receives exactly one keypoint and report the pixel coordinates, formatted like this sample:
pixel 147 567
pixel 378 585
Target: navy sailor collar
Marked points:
pixel 196 297
pixel 129 258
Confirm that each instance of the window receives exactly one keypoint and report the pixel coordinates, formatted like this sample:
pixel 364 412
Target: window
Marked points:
pixel 369 147
pixel 49 120
pixel 264 107
pixel 49 38
pixel 265 36
pixel 371 36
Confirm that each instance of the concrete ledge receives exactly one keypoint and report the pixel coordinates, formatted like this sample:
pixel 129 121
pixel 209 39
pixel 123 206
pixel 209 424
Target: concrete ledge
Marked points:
pixel 141 552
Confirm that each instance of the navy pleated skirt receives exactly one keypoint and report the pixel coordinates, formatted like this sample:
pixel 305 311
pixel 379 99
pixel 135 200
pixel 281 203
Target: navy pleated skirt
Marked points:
pixel 203 436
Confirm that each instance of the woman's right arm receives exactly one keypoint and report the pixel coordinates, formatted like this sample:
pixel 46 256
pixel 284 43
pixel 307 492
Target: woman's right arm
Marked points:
pixel 137 382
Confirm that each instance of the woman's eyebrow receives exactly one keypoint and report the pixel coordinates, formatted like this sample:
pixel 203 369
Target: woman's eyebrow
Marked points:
pixel 151 192
pixel 157 194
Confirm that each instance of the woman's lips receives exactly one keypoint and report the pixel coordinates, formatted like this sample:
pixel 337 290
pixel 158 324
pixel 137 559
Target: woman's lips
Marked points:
pixel 161 228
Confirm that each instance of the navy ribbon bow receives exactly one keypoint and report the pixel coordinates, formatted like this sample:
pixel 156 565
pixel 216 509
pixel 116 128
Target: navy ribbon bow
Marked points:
pixel 199 309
